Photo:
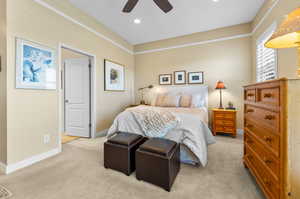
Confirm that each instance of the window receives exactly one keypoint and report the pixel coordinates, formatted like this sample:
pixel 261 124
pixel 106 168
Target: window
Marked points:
pixel 266 58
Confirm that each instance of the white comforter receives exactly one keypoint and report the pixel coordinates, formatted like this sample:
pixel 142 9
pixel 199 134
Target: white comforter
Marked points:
pixel 192 131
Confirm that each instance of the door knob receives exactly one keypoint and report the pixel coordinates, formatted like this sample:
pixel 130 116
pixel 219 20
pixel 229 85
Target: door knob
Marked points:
pixel 66 101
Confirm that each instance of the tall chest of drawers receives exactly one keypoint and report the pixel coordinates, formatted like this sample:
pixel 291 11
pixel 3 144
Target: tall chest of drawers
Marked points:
pixel 272 136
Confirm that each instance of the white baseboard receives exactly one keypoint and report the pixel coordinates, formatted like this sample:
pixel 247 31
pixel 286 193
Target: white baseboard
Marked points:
pixel 2 167
pixel 240 131
pixel 27 162
pixel 101 133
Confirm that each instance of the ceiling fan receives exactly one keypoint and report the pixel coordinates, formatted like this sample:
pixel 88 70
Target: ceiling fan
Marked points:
pixel 164 5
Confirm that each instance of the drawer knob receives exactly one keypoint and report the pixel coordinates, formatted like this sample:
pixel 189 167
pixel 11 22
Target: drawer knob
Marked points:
pixel 267 161
pixel 269 117
pixel 268 139
pixel 267 182
pixel 250 111
pixel 268 95
pixel 249 141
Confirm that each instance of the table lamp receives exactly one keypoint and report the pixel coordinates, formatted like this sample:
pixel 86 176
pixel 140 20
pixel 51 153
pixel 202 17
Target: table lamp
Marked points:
pixel 288 34
pixel 220 85
pixel 142 90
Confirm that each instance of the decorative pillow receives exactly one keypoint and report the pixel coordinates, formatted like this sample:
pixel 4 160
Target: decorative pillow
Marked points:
pixel 197 101
pixel 159 99
pixel 171 101
pixel 185 101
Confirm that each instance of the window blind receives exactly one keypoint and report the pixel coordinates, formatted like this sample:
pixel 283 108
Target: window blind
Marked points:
pixel 266 58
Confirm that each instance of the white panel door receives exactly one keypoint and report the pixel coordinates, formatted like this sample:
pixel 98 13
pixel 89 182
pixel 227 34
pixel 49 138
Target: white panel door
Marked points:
pixel 77 97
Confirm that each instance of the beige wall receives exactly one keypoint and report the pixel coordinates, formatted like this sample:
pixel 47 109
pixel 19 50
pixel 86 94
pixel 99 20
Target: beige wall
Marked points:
pixel 196 37
pixel 229 61
pixel 287 58
pixel 3 81
pixel 36 111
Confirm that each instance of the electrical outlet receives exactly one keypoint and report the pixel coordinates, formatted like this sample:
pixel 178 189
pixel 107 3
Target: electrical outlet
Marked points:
pixel 46 139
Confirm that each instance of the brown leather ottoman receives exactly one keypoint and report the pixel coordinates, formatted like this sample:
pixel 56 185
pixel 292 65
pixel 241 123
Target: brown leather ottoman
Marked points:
pixel 158 162
pixel 119 152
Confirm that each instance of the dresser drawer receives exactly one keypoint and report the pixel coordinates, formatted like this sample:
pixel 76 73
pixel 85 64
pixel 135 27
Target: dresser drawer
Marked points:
pixel 271 140
pixel 250 95
pixel 269 96
pixel 269 184
pixel 269 119
pixel 219 128
pixel 268 159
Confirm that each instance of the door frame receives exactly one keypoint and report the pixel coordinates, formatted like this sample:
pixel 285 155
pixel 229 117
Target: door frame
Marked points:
pixel 61 89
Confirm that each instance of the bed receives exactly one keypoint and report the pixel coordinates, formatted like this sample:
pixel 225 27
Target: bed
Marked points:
pixel 187 125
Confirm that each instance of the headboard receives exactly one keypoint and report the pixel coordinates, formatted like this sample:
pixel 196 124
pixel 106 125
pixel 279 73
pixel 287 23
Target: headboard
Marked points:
pixel 176 89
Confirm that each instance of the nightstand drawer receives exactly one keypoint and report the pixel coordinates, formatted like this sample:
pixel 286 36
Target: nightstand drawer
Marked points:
pixel 229 129
pixel 219 128
pixel 224 123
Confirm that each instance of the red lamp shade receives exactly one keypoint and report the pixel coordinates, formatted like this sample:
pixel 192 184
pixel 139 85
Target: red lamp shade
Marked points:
pixel 220 85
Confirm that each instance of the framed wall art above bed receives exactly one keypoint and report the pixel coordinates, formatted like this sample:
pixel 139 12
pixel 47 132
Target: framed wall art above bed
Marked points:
pixel 165 79
pixel 114 76
pixel 179 77
pixel 195 77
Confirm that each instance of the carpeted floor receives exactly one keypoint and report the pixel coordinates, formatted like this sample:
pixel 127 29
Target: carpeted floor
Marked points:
pixel 77 173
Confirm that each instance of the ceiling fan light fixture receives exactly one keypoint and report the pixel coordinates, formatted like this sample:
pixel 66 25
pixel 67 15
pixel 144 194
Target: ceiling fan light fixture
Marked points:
pixel 137 21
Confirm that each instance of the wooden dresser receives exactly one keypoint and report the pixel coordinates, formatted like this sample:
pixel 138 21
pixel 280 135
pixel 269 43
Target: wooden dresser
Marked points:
pixel 272 136
pixel 224 121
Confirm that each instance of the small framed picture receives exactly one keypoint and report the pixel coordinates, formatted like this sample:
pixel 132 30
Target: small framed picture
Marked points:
pixel 114 79
pixel 165 79
pixel 195 78
pixel 180 77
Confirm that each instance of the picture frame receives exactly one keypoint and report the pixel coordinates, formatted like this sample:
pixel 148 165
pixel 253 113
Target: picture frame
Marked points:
pixel 195 77
pixel 165 79
pixel 180 77
pixel 36 66
pixel 114 76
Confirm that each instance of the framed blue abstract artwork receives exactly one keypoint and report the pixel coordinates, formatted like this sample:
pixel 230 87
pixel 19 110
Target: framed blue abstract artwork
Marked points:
pixel 35 66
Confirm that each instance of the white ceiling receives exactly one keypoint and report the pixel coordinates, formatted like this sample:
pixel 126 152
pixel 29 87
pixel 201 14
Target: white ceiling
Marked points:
pixel 188 16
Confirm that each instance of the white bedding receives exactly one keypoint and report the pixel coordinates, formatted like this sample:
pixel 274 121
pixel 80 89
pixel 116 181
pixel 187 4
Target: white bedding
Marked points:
pixel 192 132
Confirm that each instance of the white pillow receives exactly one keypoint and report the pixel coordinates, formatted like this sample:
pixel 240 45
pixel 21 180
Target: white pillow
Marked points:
pixel 198 101
pixel 171 101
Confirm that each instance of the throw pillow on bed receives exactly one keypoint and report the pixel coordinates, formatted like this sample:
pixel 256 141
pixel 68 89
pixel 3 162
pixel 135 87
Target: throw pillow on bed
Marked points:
pixel 171 101
pixel 185 101
pixel 159 99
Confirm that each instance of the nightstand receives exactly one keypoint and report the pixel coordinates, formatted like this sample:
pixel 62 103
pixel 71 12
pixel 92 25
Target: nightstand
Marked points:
pixel 224 121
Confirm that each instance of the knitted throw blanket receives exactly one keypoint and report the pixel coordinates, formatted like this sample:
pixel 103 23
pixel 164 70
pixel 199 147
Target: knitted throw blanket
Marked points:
pixel 155 123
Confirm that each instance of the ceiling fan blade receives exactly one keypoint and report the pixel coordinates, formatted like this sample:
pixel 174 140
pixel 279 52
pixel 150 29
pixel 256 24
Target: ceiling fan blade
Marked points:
pixel 130 5
pixel 164 5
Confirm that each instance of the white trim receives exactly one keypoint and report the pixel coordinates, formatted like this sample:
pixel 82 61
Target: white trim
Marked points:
pixel 102 133
pixel 265 16
pixel 42 3
pixel 2 167
pixel 29 161
pixel 240 131
pixel 46 5
pixel 215 40
pixel 93 89
pixel 195 43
